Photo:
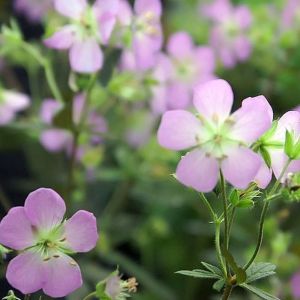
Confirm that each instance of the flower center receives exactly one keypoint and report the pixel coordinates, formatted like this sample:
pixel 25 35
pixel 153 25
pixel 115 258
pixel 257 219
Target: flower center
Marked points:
pixel 147 24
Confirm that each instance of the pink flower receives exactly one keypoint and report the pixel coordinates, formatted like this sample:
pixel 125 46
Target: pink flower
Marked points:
pixel 295 285
pixel 185 67
pixel 90 26
pixel 10 104
pixel 34 10
pixel 228 35
pixel 218 141
pixel 146 33
pixel 38 230
pixel 290 13
pixel 56 139
pixel 274 144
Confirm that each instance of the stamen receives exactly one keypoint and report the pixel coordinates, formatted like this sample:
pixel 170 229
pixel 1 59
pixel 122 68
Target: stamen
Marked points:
pixel 63 239
pixel 56 256
pixel 73 263
pixel 47 258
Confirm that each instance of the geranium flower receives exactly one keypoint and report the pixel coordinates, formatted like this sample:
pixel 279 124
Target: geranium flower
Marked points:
pixel 56 139
pixel 188 66
pixel 34 10
pixel 274 145
pixel 90 26
pixel 290 14
pixel 45 240
pixel 10 104
pixel 218 140
pixel 228 35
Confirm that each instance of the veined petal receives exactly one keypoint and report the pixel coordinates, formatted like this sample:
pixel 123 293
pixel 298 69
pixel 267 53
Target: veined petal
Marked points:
pixel 237 173
pixel 62 276
pixel 252 120
pixel 80 231
pixel 148 6
pixel 16 230
pixel 25 272
pixel 180 45
pixel 178 130
pixel 214 99
pixel 263 176
pixel 86 56
pixel 70 8
pixel 45 208
pixel 198 170
pixel 62 39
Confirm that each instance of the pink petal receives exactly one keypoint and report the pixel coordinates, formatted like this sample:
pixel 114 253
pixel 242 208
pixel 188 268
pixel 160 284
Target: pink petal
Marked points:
pixel 111 6
pixel 180 45
pixel 55 140
pixel 70 8
pixel 78 107
pixel 175 137
pixel 252 119
pixel 243 16
pixel 6 115
pixel 205 59
pixel 214 99
pixel 240 175
pixel 178 95
pixel 289 121
pixel 45 208
pixel 62 276
pixel 219 10
pixel 62 39
pixel 48 110
pixel 125 13
pixel 107 23
pixel 16 230
pixel 264 176
pixel 146 6
pixel 16 101
pixel 80 232
pixel 242 47
pixel 86 56
pixel 25 272
pixel 198 170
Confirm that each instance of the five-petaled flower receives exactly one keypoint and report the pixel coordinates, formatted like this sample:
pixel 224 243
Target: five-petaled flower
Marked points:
pixel 44 240
pixel 218 141
pixel 90 25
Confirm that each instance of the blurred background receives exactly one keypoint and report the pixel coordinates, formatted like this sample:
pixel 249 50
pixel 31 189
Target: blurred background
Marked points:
pixel 150 225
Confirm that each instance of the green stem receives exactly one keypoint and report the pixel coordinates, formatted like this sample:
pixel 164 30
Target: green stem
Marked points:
pixel 263 215
pixel 90 296
pixel 218 248
pixel 227 292
pixel 226 225
pixel 231 220
pixel 209 207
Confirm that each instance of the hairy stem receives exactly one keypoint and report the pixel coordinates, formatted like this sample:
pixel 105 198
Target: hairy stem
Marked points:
pixel 218 248
pixel 227 292
pixel 90 296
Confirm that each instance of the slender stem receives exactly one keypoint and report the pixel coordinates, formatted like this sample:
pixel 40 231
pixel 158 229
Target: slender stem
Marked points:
pixel 233 211
pixel 90 296
pixel 263 215
pixel 27 297
pixel 227 292
pixel 207 204
pixel 226 227
pixel 218 248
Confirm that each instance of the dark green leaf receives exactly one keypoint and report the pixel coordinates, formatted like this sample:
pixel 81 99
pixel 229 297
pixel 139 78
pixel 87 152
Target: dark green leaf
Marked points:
pixel 199 274
pixel 258 292
pixel 212 268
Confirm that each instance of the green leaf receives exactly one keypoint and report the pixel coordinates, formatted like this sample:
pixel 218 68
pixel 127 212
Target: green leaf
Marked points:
pixel 240 273
pixel 258 292
pixel 260 270
pixel 246 203
pixel 212 268
pixel 218 285
pixel 289 144
pixel 234 197
pixel 198 273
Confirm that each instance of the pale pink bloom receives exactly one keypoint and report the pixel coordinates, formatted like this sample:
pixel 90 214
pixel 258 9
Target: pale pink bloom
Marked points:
pixel 229 33
pixel 218 140
pixel 290 14
pixel 185 67
pixel 89 26
pixel 295 285
pixel 34 10
pixel 10 104
pixel 38 230
pixel 290 121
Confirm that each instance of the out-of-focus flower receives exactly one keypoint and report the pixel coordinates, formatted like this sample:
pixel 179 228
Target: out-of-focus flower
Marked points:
pixel 89 27
pixel 34 10
pixel 185 67
pixel 290 14
pixel 219 141
pixel 56 139
pixel 10 104
pixel 39 231
pixel 146 33
pixel 229 33
pixel 273 144
pixel 295 285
